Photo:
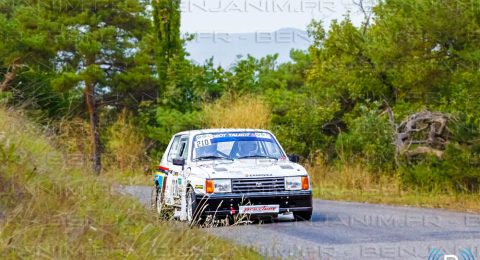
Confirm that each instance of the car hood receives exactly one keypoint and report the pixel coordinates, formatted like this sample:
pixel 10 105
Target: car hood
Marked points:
pixel 248 168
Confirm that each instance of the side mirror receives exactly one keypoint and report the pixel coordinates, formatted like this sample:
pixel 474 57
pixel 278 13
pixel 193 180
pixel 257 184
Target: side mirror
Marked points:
pixel 179 162
pixel 294 158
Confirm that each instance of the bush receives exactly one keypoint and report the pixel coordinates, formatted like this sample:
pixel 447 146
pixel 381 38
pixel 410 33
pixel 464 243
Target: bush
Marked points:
pixel 159 124
pixel 369 142
pixel 456 171
pixel 300 122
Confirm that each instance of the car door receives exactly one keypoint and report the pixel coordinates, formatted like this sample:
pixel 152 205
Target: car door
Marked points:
pixel 179 150
pixel 166 165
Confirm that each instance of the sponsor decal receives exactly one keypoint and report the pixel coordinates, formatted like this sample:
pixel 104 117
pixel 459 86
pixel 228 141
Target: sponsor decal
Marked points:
pixel 159 179
pixel 234 134
pixel 262 208
pixel 259 175
pixel 162 169
pixel 200 187
pixel 259 209
pixel 204 137
pixel 263 135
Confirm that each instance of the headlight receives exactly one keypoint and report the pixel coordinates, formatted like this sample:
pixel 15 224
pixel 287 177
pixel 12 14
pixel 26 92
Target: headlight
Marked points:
pixel 222 186
pixel 293 183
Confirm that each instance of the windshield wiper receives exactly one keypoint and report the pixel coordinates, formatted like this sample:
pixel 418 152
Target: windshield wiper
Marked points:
pixel 212 157
pixel 258 156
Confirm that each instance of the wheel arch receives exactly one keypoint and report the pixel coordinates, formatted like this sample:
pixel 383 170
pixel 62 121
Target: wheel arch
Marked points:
pixel 189 187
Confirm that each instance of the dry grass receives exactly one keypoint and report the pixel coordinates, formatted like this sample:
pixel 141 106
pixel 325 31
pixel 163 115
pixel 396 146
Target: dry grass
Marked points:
pixel 354 183
pixel 136 176
pixel 49 209
pixel 123 160
pixel 125 146
pixel 352 177
pixel 74 137
pixel 238 112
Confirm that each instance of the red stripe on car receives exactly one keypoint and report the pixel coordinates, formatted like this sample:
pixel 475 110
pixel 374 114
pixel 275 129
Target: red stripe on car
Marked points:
pixel 162 168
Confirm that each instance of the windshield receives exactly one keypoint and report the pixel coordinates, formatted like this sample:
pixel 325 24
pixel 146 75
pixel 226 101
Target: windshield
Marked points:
pixel 236 145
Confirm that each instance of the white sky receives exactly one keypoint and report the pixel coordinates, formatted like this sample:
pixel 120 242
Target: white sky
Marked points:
pixel 237 16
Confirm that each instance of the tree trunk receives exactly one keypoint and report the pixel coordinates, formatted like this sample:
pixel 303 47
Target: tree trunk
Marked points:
pixel 95 135
pixel 9 76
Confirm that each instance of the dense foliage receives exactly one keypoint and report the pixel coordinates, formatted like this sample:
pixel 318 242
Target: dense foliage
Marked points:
pixel 329 101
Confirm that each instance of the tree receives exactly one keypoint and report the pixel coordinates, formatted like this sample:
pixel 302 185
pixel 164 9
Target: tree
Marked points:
pixel 27 65
pixel 97 43
pixel 169 46
pixel 424 47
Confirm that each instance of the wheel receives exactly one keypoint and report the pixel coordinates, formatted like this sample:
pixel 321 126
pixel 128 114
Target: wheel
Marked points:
pixel 153 199
pixel 192 216
pixel 158 201
pixel 302 215
pixel 158 206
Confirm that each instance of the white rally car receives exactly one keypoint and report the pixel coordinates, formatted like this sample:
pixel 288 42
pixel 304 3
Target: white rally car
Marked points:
pixel 226 172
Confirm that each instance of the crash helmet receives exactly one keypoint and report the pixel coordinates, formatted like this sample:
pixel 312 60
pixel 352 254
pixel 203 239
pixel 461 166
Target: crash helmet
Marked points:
pixel 247 148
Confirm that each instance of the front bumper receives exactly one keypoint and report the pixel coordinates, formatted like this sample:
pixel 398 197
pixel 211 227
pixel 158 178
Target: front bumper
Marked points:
pixel 222 205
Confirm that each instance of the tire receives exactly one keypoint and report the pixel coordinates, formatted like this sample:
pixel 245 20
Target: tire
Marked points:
pixel 192 215
pixel 158 201
pixel 163 211
pixel 153 195
pixel 302 215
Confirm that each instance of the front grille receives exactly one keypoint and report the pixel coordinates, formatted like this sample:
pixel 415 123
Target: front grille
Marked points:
pixel 258 185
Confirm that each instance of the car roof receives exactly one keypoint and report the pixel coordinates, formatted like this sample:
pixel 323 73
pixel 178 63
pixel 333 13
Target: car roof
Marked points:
pixel 220 130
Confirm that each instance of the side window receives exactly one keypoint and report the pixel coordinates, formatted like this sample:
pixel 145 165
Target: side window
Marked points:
pixel 173 149
pixel 272 149
pixel 183 151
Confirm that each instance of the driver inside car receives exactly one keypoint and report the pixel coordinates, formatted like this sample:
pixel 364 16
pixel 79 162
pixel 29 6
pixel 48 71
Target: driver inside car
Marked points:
pixel 247 148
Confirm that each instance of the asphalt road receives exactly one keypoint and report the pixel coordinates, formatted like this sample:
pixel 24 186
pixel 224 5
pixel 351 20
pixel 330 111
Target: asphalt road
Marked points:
pixel 341 230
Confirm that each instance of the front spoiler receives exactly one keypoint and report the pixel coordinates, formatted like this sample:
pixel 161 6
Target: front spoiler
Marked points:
pixel 222 205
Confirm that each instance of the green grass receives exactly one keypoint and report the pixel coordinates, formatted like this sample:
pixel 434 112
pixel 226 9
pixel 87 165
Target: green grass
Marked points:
pixel 50 210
